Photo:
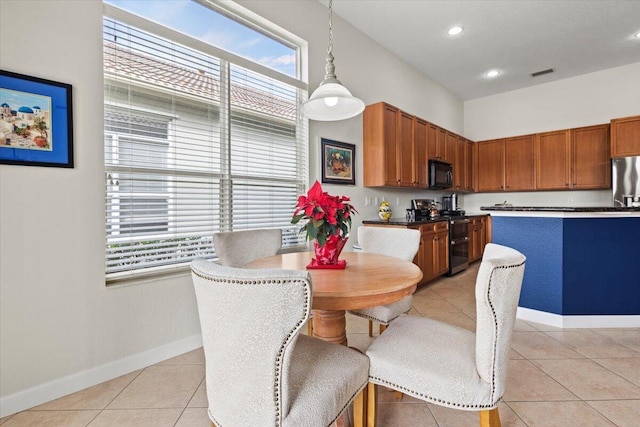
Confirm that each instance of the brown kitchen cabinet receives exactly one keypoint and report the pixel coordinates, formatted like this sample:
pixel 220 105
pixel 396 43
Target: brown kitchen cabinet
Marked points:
pixel 462 166
pixel 573 159
pixel 505 164
pixel 489 158
pixel 433 254
pixel 421 161
pixel 625 136
pixel 381 146
pixel 407 151
pixel 553 160
pixel 395 148
pixel 436 142
pixel 590 162
pixel 477 237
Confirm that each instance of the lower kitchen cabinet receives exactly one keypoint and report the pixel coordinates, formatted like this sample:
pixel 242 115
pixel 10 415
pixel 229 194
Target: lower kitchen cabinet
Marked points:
pixel 477 237
pixel 433 255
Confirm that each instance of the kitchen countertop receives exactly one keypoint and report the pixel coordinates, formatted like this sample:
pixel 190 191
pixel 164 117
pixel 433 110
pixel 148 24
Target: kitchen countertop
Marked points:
pixel 404 222
pixel 558 209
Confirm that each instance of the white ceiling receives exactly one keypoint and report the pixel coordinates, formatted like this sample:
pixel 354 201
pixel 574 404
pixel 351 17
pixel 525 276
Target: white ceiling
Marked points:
pixel 518 37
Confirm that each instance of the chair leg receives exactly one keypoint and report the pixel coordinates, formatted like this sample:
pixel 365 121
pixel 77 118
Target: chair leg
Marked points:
pixel 370 328
pixel 490 418
pixel 371 405
pixel 359 408
pixel 383 328
pixel 310 327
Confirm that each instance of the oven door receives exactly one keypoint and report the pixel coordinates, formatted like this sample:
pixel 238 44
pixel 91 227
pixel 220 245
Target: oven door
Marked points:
pixel 459 245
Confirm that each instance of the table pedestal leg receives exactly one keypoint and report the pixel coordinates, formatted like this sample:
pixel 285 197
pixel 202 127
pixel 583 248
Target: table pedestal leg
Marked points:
pixel 330 325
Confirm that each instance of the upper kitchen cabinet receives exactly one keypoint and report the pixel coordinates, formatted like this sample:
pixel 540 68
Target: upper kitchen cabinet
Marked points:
pixel 590 162
pixel 406 153
pixel 420 141
pixel 519 163
pixel 553 162
pixel 442 144
pixel 462 170
pixel 506 164
pixel 625 137
pixel 574 159
pixel 395 148
pixel 489 161
pixel 381 147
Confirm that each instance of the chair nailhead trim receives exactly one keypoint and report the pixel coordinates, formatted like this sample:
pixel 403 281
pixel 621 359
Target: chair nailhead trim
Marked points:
pixel 423 396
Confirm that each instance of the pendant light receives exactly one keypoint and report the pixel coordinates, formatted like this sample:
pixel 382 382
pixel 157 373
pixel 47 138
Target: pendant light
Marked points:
pixel 331 101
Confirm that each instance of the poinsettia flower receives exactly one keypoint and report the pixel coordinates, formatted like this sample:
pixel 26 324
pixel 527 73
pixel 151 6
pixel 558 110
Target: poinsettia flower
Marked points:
pixel 326 215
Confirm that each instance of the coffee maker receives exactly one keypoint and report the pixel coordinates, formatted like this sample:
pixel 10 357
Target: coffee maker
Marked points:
pixel 450 205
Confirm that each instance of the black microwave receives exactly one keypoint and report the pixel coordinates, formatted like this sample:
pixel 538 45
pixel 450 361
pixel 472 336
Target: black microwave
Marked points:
pixel 440 175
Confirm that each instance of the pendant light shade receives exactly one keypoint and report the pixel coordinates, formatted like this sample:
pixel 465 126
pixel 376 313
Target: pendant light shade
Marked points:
pixel 331 101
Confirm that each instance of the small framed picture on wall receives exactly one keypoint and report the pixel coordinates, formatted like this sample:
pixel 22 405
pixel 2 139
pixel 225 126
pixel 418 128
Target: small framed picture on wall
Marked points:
pixel 36 121
pixel 338 162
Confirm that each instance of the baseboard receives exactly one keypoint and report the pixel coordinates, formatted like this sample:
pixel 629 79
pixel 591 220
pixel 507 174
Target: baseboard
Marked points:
pixel 70 384
pixel 595 321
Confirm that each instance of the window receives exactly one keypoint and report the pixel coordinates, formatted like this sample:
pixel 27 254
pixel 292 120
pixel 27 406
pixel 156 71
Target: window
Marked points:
pixel 197 140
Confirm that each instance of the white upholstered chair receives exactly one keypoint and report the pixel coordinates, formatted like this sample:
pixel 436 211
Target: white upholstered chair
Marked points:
pixel 266 373
pixel 450 366
pixel 237 248
pixel 400 243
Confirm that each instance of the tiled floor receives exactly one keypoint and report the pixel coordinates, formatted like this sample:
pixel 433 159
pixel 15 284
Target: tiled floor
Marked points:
pixel 557 377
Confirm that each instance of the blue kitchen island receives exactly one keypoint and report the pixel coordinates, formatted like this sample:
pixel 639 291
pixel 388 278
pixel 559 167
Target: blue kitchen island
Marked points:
pixel 583 264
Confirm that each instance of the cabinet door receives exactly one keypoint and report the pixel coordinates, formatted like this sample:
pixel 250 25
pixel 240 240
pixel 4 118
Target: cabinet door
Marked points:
pixel 490 165
pixel 590 162
pixel 436 142
pixel 625 137
pixel 451 147
pixel 421 129
pixel 552 151
pixel 405 147
pixel 428 254
pixel 459 166
pixel 391 145
pixel 482 236
pixel 469 165
pixel 441 249
pixel 472 231
pixel 518 163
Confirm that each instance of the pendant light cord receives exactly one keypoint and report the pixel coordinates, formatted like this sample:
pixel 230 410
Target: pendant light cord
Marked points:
pixel 330 47
pixel 330 69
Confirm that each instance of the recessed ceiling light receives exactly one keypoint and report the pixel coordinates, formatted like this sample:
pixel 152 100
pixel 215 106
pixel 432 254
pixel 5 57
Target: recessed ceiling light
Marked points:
pixel 454 31
pixel 492 73
pixel 637 35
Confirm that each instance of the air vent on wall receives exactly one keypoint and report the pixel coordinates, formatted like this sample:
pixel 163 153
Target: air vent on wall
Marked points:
pixel 540 73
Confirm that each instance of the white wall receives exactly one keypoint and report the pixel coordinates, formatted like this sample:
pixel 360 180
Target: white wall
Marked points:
pixel 61 329
pixel 585 100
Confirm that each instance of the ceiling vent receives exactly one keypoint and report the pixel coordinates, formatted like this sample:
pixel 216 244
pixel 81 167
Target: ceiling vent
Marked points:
pixel 541 73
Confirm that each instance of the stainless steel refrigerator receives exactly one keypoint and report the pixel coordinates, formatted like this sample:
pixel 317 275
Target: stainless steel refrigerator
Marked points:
pixel 626 181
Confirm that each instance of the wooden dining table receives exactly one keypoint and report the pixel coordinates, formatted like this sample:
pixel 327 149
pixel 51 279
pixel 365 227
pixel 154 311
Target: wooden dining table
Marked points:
pixel 368 280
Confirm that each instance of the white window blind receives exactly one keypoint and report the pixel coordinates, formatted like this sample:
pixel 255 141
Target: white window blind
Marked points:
pixel 194 144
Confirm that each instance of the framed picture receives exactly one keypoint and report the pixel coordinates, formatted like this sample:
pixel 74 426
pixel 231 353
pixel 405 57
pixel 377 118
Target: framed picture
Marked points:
pixel 338 162
pixel 36 121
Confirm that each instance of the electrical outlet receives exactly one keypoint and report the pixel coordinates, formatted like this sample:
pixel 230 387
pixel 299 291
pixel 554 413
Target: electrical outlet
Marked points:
pixel 397 201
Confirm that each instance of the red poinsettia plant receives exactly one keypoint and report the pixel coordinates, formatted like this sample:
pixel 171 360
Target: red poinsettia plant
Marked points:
pixel 327 215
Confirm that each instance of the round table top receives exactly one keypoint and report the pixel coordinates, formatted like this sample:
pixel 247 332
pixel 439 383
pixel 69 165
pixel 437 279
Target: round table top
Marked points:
pixel 368 279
